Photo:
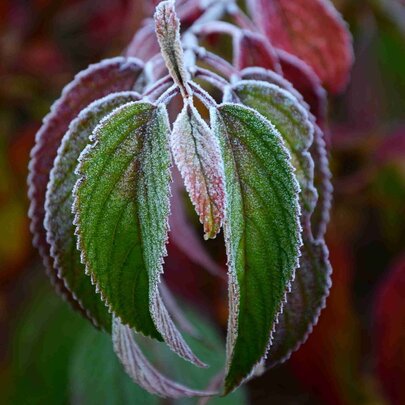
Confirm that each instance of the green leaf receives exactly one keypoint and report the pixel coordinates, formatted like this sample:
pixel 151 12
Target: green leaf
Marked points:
pixel 58 206
pixel 197 155
pixel 121 205
pixel 262 232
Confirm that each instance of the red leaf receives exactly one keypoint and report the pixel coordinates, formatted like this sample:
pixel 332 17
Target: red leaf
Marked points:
pixel 95 82
pixel 390 333
pixel 311 29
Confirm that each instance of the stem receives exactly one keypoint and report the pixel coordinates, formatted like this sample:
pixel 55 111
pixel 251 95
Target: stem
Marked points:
pixel 167 96
pixel 158 87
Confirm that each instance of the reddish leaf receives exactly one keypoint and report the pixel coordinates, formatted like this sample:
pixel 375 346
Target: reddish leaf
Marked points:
pixel 252 49
pixel 197 155
pixel 306 82
pixel 95 82
pixel 390 333
pixel 311 29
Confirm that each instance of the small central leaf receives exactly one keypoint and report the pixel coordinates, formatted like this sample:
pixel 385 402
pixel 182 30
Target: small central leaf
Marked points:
pixel 262 232
pixel 197 155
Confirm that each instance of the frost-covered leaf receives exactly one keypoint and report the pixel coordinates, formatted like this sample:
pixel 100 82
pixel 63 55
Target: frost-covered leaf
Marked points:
pixel 253 49
pixel 322 181
pixel 312 30
pixel 141 370
pixel 121 205
pixel 58 206
pixel 284 111
pixel 168 35
pixel 262 232
pixel 304 303
pixel 99 80
pixel 197 155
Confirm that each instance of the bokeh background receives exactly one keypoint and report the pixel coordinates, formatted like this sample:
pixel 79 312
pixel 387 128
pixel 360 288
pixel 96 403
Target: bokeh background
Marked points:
pixel 356 354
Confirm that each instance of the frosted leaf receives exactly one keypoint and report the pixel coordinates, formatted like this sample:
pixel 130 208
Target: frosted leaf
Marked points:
pixel 197 155
pixel 262 232
pixel 142 372
pixel 96 81
pixel 58 206
pixel 168 35
pixel 144 44
pixel 121 206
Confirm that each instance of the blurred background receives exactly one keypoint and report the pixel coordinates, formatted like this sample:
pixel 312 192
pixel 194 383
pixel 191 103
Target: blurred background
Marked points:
pixel 356 354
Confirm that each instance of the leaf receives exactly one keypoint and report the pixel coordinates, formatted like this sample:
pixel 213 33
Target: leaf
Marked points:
pixel 121 206
pixel 141 371
pixel 96 376
pixel 253 49
pixel 262 232
pixel 58 206
pixel 304 303
pixel 312 30
pixel 167 26
pixel 96 81
pixel 312 280
pixel 284 111
pixel 322 180
pixel 389 332
pixel 196 153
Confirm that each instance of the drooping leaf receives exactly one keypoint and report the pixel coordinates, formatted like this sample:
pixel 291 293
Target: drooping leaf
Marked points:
pixel 284 111
pixel 304 303
pixel 99 80
pixel 141 370
pixel 262 232
pixel 312 30
pixel 121 205
pixel 197 155
pixel 253 49
pixel 58 206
